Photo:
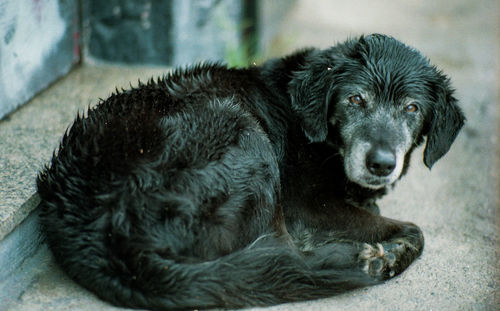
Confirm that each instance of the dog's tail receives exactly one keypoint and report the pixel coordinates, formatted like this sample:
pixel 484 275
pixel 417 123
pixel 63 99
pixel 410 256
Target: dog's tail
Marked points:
pixel 262 274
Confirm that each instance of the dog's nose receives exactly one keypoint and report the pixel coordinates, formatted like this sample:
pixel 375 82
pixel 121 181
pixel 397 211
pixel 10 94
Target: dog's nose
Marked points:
pixel 380 162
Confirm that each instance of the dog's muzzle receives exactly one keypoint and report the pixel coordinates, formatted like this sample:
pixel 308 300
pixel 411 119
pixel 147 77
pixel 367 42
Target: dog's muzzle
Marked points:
pixel 372 165
pixel 380 161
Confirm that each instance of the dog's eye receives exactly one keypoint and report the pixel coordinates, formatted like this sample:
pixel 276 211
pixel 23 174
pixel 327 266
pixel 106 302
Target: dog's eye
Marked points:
pixel 411 108
pixel 357 100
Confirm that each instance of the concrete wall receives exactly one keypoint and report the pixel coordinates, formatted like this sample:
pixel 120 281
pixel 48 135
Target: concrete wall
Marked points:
pixel 38 44
pixel 125 31
pixel 40 39
pixel 158 32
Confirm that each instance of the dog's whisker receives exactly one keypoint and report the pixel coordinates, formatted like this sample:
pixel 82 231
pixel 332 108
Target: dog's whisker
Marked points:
pixel 332 156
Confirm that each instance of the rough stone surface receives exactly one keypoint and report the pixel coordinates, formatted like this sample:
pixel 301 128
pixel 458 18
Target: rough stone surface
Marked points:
pixel 456 204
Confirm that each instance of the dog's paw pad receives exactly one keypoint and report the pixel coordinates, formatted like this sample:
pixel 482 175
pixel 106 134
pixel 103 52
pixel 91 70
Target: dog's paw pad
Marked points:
pixel 376 261
pixel 375 266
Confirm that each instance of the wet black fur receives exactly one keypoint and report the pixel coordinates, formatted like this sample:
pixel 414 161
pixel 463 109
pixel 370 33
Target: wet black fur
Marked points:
pixel 220 187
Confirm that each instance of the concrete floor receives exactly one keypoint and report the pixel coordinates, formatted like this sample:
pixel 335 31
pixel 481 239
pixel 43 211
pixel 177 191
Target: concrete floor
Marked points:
pixel 456 204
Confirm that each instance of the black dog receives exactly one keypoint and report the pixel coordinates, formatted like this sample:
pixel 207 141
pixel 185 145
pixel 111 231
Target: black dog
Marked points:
pixel 220 187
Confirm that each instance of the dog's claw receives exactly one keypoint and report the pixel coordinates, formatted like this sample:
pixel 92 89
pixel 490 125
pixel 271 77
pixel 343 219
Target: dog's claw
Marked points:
pixel 376 266
pixel 391 258
pixel 377 261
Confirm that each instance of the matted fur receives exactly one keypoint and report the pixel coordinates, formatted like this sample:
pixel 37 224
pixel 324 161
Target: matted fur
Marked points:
pixel 221 187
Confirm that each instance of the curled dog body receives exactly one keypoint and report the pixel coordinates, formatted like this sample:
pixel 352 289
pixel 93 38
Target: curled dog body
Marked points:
pixel 222 187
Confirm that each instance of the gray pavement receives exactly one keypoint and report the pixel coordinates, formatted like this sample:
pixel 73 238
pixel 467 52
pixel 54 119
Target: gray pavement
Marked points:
pixel 456 204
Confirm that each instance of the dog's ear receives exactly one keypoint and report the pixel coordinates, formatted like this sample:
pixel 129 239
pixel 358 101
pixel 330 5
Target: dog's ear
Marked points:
pixel 308 89
pixel 446 120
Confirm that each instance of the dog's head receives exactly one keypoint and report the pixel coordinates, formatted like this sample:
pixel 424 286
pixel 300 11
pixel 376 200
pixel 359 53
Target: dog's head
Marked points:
pixel 381 98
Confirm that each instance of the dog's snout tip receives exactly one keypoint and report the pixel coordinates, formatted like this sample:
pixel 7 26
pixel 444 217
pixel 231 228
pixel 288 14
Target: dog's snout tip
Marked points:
pixel 380 162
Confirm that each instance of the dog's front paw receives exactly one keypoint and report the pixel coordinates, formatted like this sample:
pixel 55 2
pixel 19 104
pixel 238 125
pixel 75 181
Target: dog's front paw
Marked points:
pixel 377 261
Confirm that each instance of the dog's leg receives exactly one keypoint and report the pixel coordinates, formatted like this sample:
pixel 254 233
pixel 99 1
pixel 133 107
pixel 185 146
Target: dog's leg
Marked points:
pixel 370 206
pixel 390 245
pixel 386 246
pixel 390 257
